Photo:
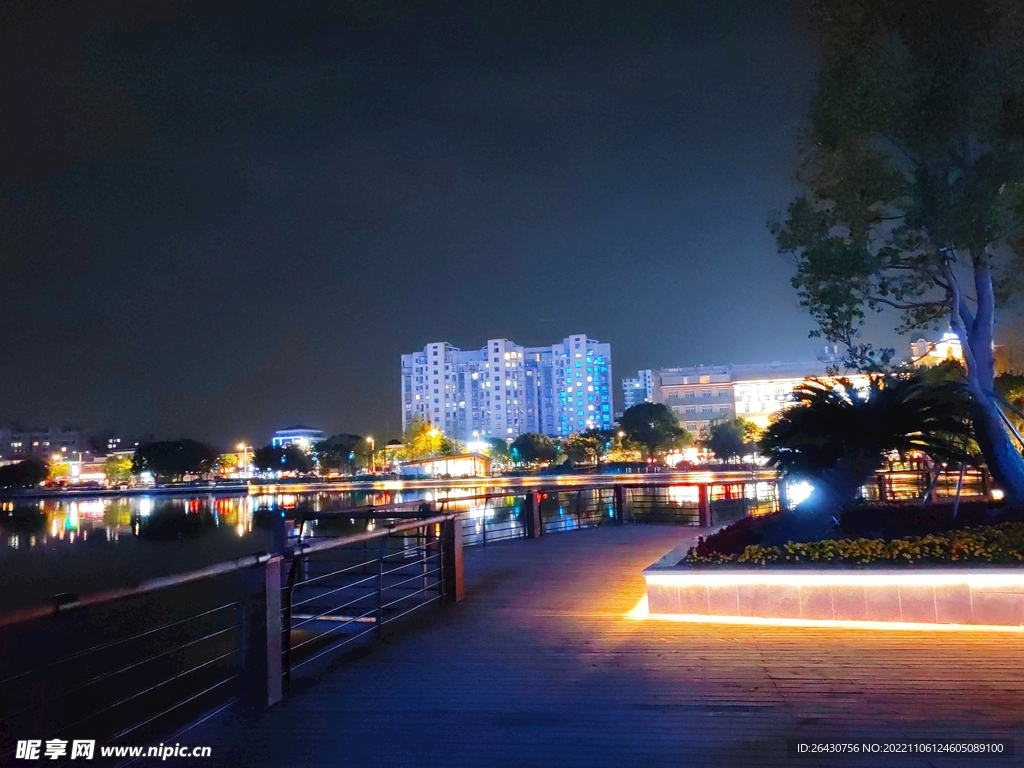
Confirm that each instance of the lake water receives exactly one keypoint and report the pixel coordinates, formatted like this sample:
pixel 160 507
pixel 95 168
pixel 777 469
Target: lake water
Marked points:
pixel 80 545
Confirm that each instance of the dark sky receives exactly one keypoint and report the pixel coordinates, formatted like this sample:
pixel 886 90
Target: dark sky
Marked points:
pixel 216 221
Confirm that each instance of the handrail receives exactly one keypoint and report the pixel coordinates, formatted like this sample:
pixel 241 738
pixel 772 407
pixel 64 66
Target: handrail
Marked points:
pixel 61 604
pixel 359 538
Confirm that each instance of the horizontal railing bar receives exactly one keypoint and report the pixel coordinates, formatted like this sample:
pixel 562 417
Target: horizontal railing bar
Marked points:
pixel 337 607
pixel 55 607
pixel 332 647
pixel 113 643
pixel 302 549
pixel 144 691
pixel 105 675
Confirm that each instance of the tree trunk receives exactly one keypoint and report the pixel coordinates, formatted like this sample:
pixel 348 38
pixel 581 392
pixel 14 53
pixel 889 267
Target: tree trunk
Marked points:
pixel 976 336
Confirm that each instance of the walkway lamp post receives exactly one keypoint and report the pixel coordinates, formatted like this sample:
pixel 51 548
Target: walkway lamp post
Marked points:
pixel 373 460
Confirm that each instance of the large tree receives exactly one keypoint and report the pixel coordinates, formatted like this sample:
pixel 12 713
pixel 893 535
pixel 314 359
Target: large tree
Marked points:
pixel 532 446
pixel 422 440
pixel 289 458
pixel 730 438
pixel 655 426
pixel 914 177
pixel 173 459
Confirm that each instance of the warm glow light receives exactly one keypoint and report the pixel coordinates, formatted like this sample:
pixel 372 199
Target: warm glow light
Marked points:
pixel 640 613
pixel 990 579
pixel 997 495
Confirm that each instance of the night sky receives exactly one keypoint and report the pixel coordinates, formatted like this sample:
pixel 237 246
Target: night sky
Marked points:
pixel 217 221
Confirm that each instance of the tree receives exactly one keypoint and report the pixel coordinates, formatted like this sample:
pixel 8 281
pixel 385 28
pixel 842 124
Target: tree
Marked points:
pixel 421 440
pixel 655 426
pixel 173 459
pixel 24 474
pixel 532 446
pixel 58 472
pixel 731 438
pixel 342 452
pixel 839 436
pixel 118 469
pixel 914 175
pixel 290 458
pixel 587 447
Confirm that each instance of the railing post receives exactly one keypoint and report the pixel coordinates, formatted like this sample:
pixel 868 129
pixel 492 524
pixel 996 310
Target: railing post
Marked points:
pixel 703 506
pixel 781 494
pixel 379 613
pixel 262 634
pixel 531 515
pixel 451 560
pixel 880 480
pixel 620 504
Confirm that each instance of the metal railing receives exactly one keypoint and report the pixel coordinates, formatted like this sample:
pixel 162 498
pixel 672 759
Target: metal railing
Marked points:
pixel 139 662
pixel 339 592
pixel 914 485
pixel 122 662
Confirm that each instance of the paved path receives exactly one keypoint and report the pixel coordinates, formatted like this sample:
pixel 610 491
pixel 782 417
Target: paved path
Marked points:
pixel 541 667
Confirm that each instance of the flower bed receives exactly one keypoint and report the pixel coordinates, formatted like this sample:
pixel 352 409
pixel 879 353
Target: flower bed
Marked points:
pixel 998 544
pixel 957 576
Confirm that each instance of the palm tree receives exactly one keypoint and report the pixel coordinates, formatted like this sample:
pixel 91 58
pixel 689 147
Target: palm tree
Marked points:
pixel 837 436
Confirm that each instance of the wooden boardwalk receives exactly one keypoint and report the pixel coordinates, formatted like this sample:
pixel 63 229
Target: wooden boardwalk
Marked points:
pixel 540 666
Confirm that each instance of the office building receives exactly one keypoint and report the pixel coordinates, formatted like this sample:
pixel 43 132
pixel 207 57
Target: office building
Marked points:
pixel 638 389
pixel 505 389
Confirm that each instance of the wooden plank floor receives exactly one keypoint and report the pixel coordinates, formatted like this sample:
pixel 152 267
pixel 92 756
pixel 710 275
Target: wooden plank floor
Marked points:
pixel 540 666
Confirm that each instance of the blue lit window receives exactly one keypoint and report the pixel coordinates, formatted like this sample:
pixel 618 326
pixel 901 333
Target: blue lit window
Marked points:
pixel 579 365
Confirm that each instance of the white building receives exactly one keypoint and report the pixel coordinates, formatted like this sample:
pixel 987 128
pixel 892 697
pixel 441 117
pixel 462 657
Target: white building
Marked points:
pixel 638 389
pixel 504 389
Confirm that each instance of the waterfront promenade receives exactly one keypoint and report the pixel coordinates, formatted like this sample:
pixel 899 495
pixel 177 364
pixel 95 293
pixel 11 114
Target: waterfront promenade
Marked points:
pixel 541 666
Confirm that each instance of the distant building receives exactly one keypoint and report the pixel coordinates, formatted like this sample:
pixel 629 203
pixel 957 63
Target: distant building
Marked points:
pixel 304 437
pixel 42 444
pixel 504 389
pixel 947 348
pixel 466 465
pixel 639 389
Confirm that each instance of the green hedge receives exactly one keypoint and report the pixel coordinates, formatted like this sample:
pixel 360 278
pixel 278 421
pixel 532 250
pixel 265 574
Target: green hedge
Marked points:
pixel 998 544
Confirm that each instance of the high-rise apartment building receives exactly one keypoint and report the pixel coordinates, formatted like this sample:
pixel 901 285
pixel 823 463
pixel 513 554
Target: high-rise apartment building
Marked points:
pixel 638 389
pixel 504 389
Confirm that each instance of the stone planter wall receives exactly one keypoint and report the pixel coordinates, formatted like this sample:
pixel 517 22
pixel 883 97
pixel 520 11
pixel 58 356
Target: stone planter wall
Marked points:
pixel 936 596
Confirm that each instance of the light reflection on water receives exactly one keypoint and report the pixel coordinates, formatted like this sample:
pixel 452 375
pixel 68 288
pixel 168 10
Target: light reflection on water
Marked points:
pixel 60 522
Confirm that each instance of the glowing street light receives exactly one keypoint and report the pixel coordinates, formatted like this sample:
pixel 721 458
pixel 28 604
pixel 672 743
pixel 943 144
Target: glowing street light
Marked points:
pixel 245 458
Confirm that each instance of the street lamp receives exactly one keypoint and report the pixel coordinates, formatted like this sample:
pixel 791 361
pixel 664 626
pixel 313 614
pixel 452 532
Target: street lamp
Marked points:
pixel 373 462
pixel 245 458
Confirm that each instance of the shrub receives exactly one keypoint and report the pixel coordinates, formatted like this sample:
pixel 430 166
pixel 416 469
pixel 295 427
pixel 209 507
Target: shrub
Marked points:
pixel 735 537
pixel 993 544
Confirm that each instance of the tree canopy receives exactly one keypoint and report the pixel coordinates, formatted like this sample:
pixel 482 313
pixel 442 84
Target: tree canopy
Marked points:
pixel 731 438
pixel 914 183
pixel 422 440
pixel 23 474
pixel 655 426
pixel 290 458
pixel 532 446
pixel 173 459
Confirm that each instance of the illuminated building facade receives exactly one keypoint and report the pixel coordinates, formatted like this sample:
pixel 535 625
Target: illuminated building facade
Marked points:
pixel 504 389
pixel 948 348
pixel 304 437
pixel 638 389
